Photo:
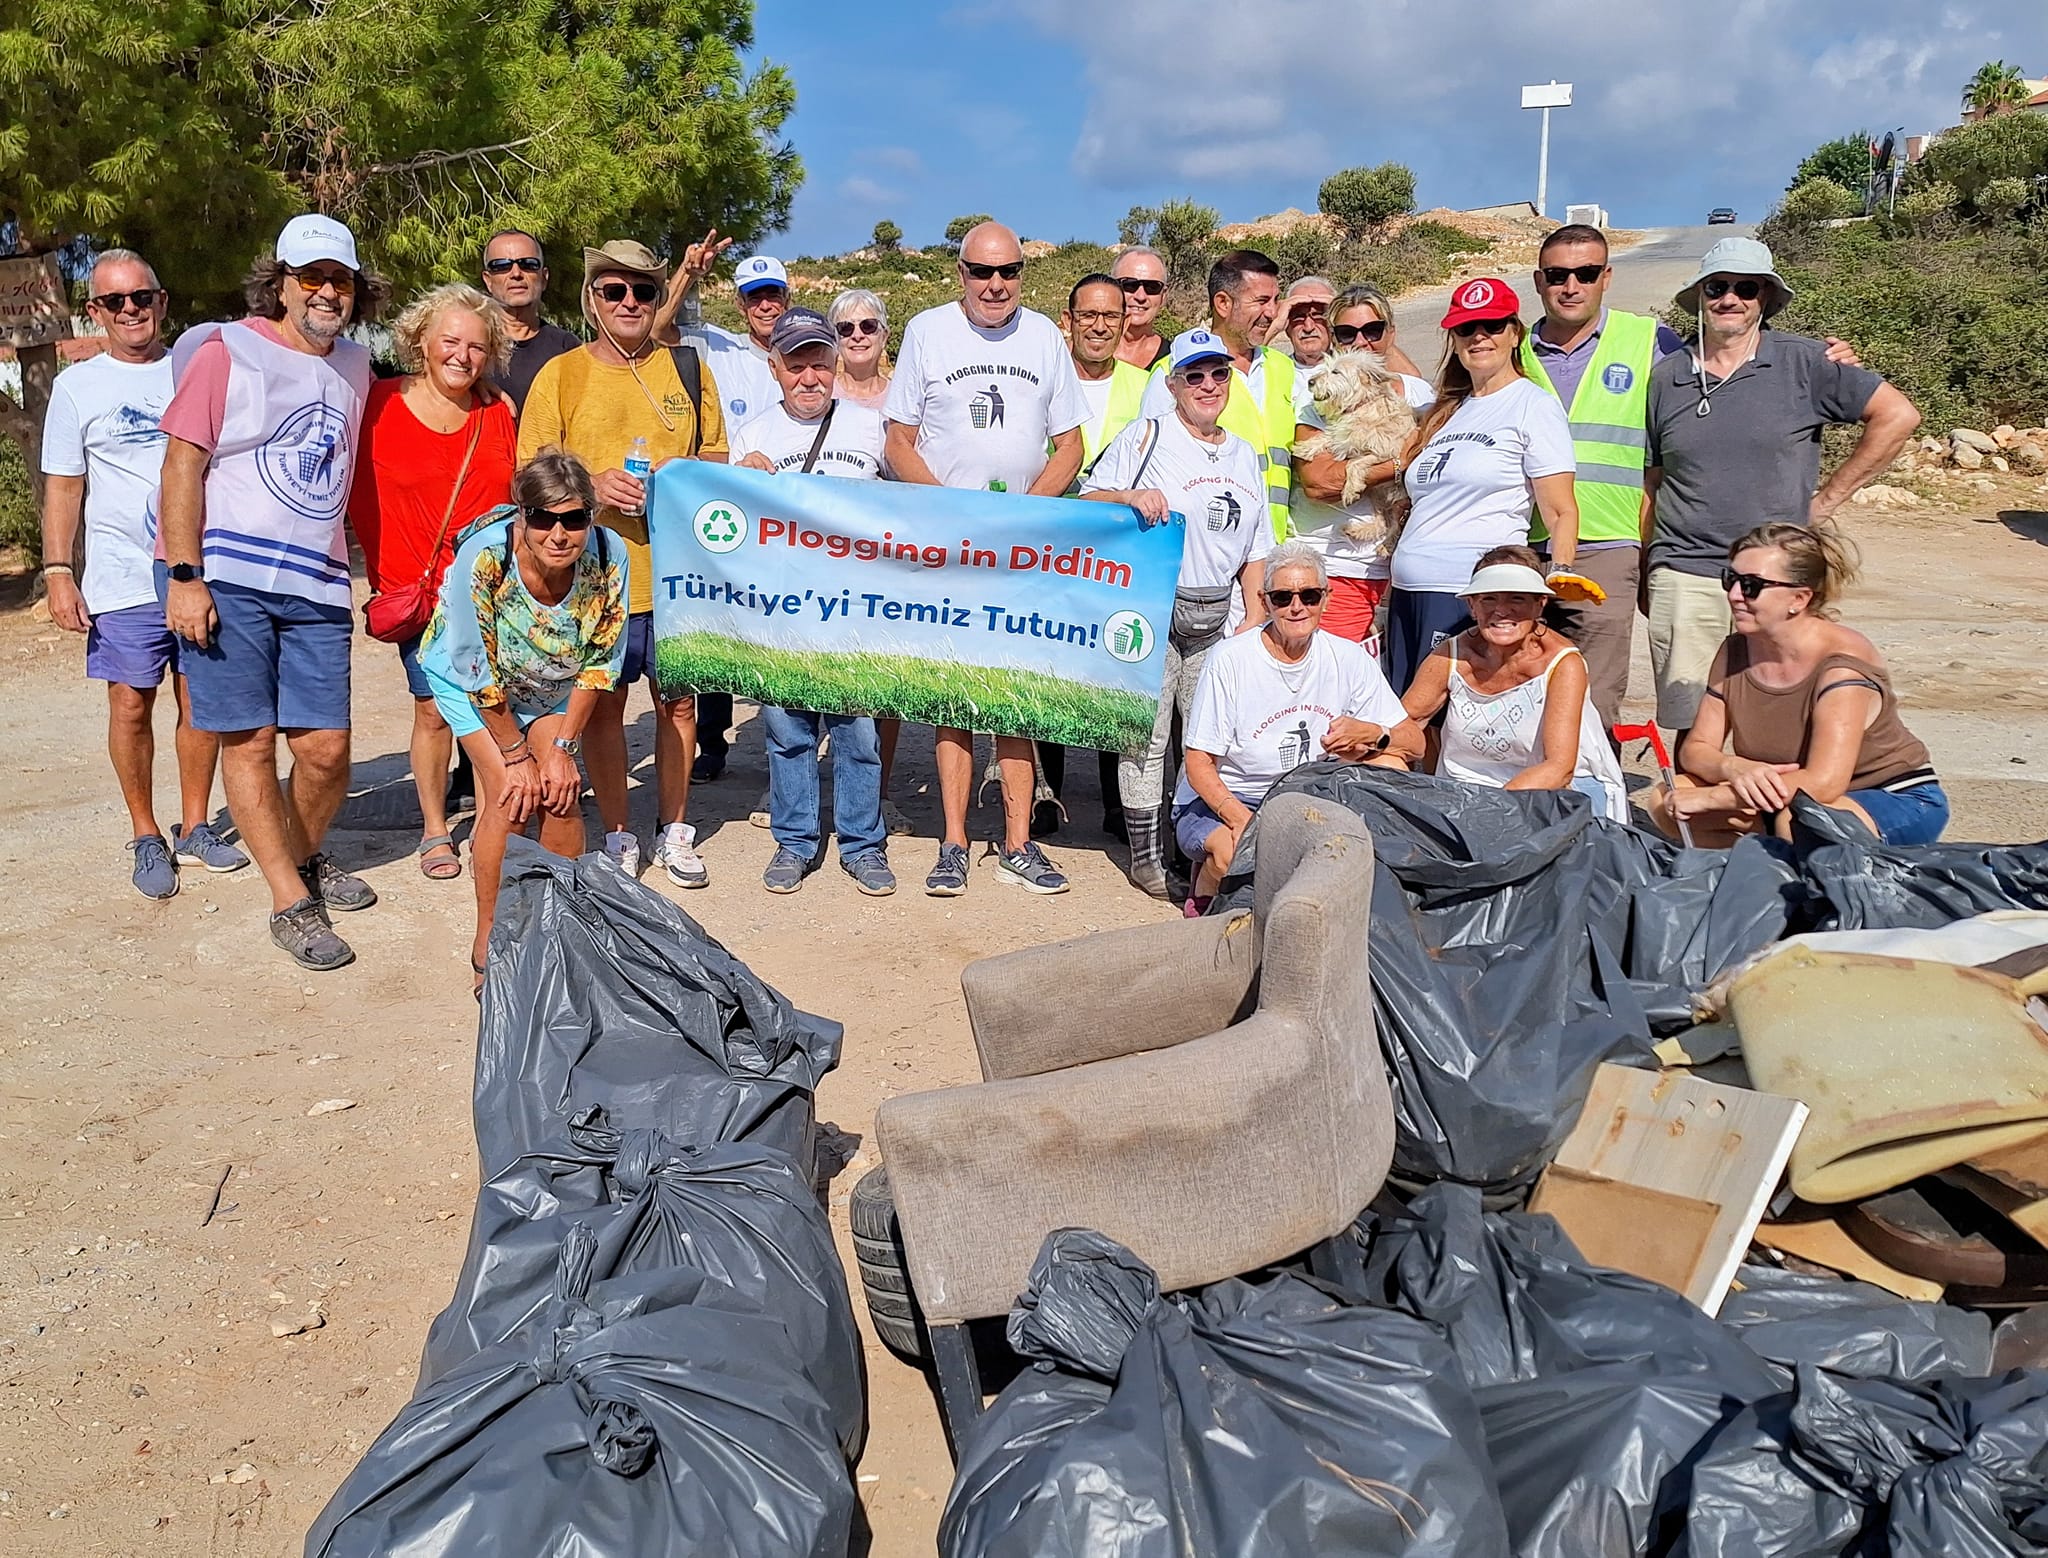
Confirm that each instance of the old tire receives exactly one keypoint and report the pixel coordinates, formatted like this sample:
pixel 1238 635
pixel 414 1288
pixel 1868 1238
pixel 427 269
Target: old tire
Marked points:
pixel 884 1272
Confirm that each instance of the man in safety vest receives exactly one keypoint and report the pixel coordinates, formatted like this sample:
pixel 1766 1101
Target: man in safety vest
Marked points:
pixel 1112 389
pixel 1269 399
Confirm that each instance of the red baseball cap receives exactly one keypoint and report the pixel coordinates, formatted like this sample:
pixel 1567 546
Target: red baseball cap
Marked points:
pixel 1481 298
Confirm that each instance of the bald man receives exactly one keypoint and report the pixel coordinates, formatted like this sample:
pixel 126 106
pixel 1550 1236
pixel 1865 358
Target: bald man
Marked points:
pixel 1142 275
pixel 983 388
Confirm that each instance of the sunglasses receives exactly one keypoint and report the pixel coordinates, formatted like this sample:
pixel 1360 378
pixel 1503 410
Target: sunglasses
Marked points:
pixel 1195 378
pixel 1584 275
pixel 849 328
pixel 615 291
pixel 547 519
pixel 1312 596
pixel 1754 584
pixel 1009 272
pixel 1351 335
pixel 343 282
pixel 530 263
pixel 1749 289
pixel 144 299
pixel 1472 327
pixel 768 294
pixel 1133 285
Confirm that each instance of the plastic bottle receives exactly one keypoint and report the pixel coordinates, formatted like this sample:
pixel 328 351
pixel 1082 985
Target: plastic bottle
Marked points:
pixel 639 465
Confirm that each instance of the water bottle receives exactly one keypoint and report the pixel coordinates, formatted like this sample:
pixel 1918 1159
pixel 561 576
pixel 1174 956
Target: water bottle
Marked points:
pixel 640 466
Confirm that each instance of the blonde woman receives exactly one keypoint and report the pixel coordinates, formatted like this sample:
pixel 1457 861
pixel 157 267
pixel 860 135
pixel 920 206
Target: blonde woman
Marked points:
pixel 438 449
pixel 861 321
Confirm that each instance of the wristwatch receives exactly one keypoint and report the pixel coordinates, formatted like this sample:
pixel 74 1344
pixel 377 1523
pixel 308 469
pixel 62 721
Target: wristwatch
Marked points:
pixel 570 744
pixel 186 573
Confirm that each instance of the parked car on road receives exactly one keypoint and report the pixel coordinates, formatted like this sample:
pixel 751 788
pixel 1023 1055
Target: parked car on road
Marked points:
pixel 1720 215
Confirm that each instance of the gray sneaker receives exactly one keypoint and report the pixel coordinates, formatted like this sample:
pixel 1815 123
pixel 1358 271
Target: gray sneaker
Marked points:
pixel 204 847
pixel 334 888
pixel 949 876
pixel 786 872
pixel 870 872
pixel 1029 869
pixel 155 874
pixel 303 932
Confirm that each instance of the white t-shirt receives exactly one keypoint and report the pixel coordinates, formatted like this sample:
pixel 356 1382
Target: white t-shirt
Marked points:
pixel 1095 404
pixel 852 447
pixel 1470 484
pixel 1158 401
pixel 102 425
pixel 1215 488
pixel 1321 525
pixel 984 402
pixel 746 387
pixel 1260 718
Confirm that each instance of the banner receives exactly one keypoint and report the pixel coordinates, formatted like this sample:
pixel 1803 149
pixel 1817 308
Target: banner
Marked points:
pixel 984 611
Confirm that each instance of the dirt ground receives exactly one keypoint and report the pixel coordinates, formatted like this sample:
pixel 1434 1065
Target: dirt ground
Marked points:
pixel 145 1403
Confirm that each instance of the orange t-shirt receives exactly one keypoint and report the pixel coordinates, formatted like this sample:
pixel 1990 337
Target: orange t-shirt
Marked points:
pixel 404 473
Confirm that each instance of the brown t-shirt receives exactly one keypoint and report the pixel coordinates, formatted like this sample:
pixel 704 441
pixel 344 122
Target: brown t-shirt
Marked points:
pixel 1773 725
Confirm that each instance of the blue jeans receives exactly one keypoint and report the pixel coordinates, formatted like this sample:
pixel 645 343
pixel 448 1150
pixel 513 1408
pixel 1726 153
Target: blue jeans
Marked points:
pixel 792 740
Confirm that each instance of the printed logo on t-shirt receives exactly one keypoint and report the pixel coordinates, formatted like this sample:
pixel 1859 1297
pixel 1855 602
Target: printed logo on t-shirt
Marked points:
pixel 675 405
pixel 1618 377
pixel 985 410
pixel 134 426
pixel 739 405
pixel 1224 512
pixel 1294 745
pixel 306 463
pixel 1426 471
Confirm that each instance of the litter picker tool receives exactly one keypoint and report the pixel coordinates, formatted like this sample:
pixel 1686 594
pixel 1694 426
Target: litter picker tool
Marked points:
pixel 1650 733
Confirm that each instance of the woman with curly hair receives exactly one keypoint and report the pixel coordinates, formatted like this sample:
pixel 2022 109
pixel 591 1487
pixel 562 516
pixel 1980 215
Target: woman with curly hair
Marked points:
pixel 438 449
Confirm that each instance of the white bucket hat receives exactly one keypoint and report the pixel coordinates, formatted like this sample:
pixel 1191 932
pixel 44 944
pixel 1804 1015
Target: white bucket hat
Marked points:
pixel 1506 579
pixel 1738 257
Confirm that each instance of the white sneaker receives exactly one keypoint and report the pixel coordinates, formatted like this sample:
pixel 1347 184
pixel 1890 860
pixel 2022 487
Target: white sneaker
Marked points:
pixel 623 848
pixel 893 820
pixel 759 815
pixel 675 855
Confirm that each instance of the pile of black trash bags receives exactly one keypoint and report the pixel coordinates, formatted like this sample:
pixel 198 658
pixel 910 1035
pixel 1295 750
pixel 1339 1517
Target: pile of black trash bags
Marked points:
pixel 650 1348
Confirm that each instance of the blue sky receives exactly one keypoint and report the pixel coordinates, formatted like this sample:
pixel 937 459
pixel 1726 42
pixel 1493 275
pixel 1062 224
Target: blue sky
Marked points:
pixel 1058 115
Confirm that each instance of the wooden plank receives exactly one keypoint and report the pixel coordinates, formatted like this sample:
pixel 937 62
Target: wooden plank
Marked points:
pixel 1823 1242
pixel 1695 1140
pixel 1633 1228
pixel 2020 1177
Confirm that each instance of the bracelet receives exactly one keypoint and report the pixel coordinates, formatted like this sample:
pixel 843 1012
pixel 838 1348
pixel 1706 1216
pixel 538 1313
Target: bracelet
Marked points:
pixel 517 746
pixel 523 757
pixel 63 568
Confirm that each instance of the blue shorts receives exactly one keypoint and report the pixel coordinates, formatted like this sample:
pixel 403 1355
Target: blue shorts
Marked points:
pixel 276 660
pixel 416 681
pixel 459 709
pixel 1914 816
pixel 639 658
pixel 1193 823
pixel 130 647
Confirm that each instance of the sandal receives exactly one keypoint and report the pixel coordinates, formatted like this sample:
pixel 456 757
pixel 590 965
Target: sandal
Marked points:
pixel 445 869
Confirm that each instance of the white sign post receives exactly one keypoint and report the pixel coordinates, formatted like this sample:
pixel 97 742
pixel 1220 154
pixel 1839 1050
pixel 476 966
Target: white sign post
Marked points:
pixel 1558 94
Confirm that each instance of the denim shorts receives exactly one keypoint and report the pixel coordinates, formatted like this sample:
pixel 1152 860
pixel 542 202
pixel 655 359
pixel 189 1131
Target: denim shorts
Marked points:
pixel 639 658
pixel 130 647
pixel 416 681
pixel 1193 823
pixel 1914 816
pixel 276 660
pixel 459 709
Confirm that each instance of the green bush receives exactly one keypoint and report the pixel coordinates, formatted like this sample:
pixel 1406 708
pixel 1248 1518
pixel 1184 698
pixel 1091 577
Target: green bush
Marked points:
pixel 1364 198
pixel 2002 199
pixel 958 229
pixel 1305 251
pixel 2004 146
pixel 1815 201
pixel 1844 161
pixel 19 526
pixel 1929 211
pixel 886 236
pixel 1443 236
pixel 1182 232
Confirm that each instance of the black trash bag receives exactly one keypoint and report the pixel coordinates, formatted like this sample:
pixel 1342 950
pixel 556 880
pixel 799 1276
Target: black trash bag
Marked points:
pixel 1867 885
pixel 1852 1328
pixel 741 1213
pixel 1944 1468
pixel 658 1413
pixel 603 992
pixel 1240 1422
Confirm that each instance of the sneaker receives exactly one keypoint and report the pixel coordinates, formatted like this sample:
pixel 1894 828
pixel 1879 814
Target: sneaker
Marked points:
pixel 893 820
pixel 949 876
pixel 1029 869
pixel 759 815
pixel 622 849
pixel 303 931
pixel 333 887
pixel 156 873
pixel 709 766
pixel 870 872
pixel 204 847
pixel 675 855
pixel 786 872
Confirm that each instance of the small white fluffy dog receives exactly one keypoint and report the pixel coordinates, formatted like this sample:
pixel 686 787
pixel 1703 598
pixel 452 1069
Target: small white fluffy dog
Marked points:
pixel 1368 419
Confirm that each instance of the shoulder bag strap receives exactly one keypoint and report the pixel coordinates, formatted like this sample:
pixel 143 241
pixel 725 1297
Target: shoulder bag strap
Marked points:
pixel 818 442
pixel 691 372
pixel 476 434
pixel 1145 462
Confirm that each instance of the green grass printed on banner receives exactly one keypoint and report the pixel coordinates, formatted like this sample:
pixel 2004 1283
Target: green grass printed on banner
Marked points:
pixel 987 698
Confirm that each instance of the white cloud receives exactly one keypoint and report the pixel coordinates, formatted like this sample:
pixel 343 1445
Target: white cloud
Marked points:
pixel 866 191
pixel 903 159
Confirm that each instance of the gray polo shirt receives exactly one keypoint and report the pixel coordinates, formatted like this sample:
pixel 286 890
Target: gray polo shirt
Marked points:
pixel 1755 457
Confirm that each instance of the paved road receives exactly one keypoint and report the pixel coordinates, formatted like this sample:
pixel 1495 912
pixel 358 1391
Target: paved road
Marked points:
pixel 1645 278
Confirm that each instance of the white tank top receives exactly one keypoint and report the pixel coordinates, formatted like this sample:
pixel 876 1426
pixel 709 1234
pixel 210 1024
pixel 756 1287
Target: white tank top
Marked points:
pixel 1488 738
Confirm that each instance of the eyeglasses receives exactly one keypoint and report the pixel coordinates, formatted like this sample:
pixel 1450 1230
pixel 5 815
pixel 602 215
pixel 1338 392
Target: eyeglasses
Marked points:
pixel 1097 316
pixel 547 519
pixel 1472 327
pixel 503 265
pixel 1349 335
pixel 615 291
pixel 1195 378
pixel 1009 272
pixel 849 328
pixel 144 299
pixel 1133 285
pixel 1754 584
pixel 1312 596
pixel 1584 275
pixel 1749 289
pixel 342 281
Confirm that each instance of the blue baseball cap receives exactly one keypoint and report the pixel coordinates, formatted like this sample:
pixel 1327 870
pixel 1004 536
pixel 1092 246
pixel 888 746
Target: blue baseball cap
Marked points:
pixel 760 270
pixel 1193 346
pixel 799 327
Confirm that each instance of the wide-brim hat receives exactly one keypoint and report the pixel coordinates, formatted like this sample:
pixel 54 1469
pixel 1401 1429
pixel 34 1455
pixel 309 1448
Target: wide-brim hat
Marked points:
pixel 624 255
pixel 1739 257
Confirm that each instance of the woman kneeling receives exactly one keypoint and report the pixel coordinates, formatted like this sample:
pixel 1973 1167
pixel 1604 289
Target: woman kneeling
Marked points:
pixel 1797 702
pixel 530 629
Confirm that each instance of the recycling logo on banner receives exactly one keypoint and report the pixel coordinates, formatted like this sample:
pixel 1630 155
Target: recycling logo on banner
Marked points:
pixel 720 526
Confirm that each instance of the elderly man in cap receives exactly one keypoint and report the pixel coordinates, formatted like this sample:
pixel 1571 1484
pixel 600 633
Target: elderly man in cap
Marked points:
pixel 260 443
pixel 1734 442
pixel 597 401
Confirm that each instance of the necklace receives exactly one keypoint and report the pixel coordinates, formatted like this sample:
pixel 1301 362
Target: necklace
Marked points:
pixel 1707 392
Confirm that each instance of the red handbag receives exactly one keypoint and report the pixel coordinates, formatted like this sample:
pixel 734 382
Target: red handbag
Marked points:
pixel 394 616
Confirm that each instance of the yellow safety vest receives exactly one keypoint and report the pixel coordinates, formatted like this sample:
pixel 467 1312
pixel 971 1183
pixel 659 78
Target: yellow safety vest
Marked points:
pixel 1610 417
pixel 1126 395
pixel 1269 429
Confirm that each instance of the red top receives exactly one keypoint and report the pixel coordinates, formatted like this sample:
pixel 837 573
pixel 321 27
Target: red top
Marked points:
pixel 403 476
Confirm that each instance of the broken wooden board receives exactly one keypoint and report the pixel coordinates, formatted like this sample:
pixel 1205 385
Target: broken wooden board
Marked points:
pixel 2018 1184
pixel 1823 1242
pixel 1649 1140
